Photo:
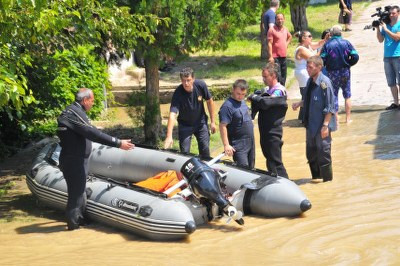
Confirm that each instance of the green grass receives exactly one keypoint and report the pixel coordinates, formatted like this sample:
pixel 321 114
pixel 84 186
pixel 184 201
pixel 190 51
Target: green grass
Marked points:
pixel 5 187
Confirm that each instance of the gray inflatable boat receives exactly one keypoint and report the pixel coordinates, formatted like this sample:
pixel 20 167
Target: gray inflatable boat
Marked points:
pixel 255 191
pixel 113 199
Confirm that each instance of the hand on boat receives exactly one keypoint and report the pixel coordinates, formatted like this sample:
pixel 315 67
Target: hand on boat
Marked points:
pixel 126 144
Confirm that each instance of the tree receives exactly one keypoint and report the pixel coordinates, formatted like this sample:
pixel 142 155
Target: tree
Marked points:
pixel 32 30
pixel 189 25
pixel 298 14
pixel 263 32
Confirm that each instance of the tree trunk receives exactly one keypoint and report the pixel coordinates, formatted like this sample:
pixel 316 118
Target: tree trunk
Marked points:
pixel 152 116
pixel 263 38
pixel 299 17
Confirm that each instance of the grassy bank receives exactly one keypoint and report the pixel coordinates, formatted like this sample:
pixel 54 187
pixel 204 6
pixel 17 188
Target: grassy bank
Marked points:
pixel 242 57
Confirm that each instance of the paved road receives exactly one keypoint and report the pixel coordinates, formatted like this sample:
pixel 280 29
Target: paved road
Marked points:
pixel 368 84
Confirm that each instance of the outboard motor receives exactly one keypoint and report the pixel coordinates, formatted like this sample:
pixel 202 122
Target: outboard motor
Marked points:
pixel 204 182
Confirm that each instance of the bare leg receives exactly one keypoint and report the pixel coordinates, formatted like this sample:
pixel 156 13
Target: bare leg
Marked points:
pixel 395 94
pixel 337 120
pixel 348 109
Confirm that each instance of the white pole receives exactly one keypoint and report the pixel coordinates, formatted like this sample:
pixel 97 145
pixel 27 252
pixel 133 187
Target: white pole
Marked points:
pixel 216 159
pixel 177 185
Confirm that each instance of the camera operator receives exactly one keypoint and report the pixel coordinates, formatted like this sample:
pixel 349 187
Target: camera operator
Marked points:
pixel 390 33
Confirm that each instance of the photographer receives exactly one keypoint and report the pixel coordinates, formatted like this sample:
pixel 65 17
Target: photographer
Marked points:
pixel 390 33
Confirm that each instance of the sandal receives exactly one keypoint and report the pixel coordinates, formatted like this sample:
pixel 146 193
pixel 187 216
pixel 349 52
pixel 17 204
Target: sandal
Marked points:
pixel 392 106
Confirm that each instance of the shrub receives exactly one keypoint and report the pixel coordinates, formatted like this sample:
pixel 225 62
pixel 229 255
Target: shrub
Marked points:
pixel 55 79
pixel 219 93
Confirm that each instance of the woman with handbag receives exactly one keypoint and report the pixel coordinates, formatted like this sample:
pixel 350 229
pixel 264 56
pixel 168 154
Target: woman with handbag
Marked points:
pixel 346 14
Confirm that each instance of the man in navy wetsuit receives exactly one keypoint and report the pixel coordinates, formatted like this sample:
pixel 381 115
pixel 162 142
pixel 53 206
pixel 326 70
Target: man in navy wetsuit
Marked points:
pixel 236 126
pixel 76 135
pixel 187 101
pixel 271 104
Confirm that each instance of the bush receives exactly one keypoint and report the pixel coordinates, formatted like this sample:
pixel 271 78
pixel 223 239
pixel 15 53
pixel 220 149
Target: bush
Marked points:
pixel 254 85
pixel 219 93
pixel 55 79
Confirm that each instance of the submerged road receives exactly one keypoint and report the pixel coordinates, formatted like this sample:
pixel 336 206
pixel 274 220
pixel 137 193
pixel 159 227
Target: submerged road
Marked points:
pixel 354 219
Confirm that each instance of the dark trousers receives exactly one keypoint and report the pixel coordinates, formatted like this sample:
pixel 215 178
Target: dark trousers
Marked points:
pixel 271 145
pixel 202 136
pixel 318 150
pixel 75 171
pixel 281 61
pixel 245 154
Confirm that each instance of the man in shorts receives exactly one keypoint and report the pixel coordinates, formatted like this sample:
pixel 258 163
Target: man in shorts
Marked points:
pixel 390 34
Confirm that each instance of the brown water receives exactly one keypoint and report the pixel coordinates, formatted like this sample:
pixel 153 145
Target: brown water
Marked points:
pixel 355 220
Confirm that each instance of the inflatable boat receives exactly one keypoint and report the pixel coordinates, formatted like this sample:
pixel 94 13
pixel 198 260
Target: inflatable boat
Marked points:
pixel 210 191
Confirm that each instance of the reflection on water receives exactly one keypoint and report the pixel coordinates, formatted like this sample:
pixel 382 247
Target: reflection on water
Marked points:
pixel 354 220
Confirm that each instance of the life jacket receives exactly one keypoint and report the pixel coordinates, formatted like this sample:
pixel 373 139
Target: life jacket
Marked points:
pixel 162 181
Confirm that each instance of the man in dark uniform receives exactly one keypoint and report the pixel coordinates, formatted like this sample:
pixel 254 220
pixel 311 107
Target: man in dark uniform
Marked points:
pixel 236 126
pixel 76 135
pixel 319 119
pixel 272 106
pixel 187 100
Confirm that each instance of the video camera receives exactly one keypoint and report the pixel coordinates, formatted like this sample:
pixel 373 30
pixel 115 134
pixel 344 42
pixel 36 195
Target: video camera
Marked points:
pixel 383 16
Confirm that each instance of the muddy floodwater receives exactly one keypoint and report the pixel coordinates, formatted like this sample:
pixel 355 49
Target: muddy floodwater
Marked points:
pixel 355 220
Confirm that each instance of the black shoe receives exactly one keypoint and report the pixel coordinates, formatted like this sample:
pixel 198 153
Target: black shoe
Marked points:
pixel 326 172
pixel 315 172
pixel 72 226
pixel 392 106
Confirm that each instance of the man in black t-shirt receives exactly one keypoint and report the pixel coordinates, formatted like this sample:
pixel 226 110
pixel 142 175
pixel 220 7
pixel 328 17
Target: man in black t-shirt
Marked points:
pixel 187 101
pixel 236 126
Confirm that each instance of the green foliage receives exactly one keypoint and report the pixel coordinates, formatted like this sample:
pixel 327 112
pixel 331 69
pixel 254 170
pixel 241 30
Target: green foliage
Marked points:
pixel 191 25
pixel 254 85
pixel 220 93
pixel 44 56
pixel 42 128
pixel 14 93
pixel 70 70
pixel 5 187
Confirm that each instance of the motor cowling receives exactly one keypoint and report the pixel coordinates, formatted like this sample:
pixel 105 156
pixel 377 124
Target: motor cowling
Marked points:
pixel 204 181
